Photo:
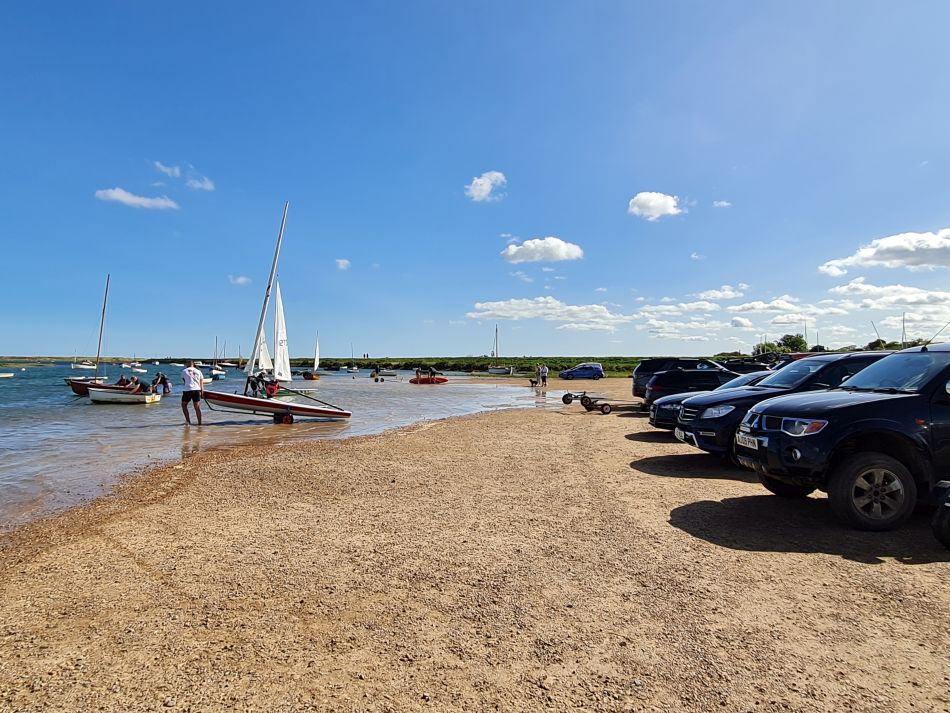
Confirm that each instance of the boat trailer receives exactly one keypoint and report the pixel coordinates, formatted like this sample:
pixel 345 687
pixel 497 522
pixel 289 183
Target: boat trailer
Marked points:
pixel 593 402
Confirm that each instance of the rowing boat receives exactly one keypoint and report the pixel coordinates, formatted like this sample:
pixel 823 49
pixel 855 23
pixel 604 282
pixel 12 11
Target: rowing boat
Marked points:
pixel 80 387
pixel 428 380
pixel 108 396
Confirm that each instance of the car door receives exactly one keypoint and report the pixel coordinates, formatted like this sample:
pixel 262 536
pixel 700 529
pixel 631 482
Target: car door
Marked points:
pixel 940 428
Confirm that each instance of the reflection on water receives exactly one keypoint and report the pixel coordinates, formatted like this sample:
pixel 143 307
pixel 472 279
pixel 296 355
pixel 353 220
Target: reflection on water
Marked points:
pixel 58 449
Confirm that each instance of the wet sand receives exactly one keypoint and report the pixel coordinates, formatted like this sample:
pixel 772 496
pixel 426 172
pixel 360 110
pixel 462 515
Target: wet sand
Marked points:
pixel 516 560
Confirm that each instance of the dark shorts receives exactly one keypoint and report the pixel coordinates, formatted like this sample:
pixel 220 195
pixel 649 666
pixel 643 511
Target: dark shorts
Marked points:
pixel 187 396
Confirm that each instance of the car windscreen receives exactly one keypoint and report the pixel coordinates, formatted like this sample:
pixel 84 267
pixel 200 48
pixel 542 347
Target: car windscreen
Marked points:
pixel 649 366
pixel 741 380
pixel 793 375
pixel 908 372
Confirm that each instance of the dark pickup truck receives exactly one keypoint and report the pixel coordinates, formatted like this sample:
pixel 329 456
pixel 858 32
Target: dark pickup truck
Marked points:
pixel 875 444
pixel 710 422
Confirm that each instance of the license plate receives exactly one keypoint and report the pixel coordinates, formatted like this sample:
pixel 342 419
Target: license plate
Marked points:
pixel 747 441
pixel 678 432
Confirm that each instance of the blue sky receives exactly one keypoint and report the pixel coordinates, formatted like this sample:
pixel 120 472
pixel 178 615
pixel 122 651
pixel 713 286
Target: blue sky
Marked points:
pixel 651 178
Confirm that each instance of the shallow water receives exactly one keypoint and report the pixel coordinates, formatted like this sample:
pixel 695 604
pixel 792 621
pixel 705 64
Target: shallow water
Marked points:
pixel 58 449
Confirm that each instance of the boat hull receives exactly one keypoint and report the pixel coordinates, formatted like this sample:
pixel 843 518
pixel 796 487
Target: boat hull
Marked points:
pixel 310 376
pixel 108 396
pixel 273 407
pixel 6 375
pixel 428 380
pixel 80 387
pixel 499 370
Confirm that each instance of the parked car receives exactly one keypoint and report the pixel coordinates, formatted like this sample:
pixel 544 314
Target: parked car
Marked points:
pixel 680 381
pixel 874 444
pixel 663 411
pixel 941 520
pixel 645 370
pixel 710 422
pixel 587 370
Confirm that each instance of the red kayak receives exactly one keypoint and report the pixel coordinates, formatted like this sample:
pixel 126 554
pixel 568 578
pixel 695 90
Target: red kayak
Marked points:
pixel 428 380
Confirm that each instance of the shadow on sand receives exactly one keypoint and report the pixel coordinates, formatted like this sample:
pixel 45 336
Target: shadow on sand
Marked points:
pixel 767 523
pixel 652 437
pixel 699 465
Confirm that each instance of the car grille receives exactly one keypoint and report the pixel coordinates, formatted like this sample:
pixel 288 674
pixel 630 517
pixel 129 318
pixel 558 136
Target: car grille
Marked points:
pixel 763 423
pixel 688 414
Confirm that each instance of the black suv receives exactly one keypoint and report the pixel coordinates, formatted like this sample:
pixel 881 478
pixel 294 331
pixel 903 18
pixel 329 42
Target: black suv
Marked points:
pixel 645 370
pixel 663 411
pixel 710 422
pixel 679 381
pixel 874 444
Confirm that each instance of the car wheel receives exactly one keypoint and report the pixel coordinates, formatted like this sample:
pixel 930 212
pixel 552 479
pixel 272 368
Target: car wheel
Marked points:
pixel 941 524
pixel 872 491
pixel 595 377
pixel 785 490
pixel 569 377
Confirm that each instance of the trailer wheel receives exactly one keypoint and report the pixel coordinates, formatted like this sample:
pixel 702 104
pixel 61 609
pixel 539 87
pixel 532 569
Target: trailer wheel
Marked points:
pixel 589 407
pixel 286 419
pixel 567 399
pixel 585 401
pixel 605 409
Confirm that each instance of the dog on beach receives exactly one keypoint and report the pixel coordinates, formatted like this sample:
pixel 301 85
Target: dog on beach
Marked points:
pixel 534 383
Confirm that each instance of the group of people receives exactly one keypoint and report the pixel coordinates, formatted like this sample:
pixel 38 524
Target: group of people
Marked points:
pixel 430 372
pixel 541 374
pixel 192 382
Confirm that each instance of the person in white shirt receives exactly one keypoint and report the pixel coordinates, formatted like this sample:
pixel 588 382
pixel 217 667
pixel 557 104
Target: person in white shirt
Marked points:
pixel 193 380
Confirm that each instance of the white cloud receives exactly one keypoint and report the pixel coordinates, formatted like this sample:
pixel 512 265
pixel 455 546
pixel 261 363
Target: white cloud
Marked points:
pixel 726 292
pixel 914 251
pixel 574 317
pixel 201 183
pixel 547 269
pixel 120 195
pixel 931 303
pixel 239 280
pixel 696 256
pixel 722 204
pixel 342 264
pixel 524 277
pixel 653 206
pixel 795 319
pixel 542 249
pixel 170 171
pixel 741 323
pixel 785 303
pixel 482 188
pixel 600 289
pixel 743 286
pixel 683 330
pixel 679 308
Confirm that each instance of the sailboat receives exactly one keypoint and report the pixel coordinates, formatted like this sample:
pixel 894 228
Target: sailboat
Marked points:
pixel 259 363
pixel 80 385
pixel 313 375
pixel 352 368
pixel 216 371
pixel 495 369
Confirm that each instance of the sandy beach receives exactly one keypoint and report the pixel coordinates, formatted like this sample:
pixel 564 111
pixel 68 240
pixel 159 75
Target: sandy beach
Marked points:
pixel 534 559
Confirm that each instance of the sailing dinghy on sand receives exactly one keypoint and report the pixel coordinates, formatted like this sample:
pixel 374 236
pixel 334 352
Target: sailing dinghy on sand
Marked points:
pixel 261 387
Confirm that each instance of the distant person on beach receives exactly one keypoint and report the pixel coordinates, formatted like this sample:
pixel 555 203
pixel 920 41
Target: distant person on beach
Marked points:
pixel 537 374
pixel 431 372
pixel 543 372
pixel 161 379
pixel 418 373
pixel 193 381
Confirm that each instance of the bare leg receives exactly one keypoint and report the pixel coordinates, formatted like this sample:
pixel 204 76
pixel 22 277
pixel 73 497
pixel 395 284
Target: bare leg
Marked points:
pixel 184 410
pixel 198 412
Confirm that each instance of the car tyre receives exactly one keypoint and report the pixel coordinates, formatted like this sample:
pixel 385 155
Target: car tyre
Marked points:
pixel 595 377
pixel 872 491
pixel 785 490
pixel 569 377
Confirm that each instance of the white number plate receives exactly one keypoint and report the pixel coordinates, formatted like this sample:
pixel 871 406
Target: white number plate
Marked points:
pixel 678 432
pixel 747 441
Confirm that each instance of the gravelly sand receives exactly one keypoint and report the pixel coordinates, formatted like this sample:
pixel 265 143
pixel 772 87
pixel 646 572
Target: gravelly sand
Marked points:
pixel 520 560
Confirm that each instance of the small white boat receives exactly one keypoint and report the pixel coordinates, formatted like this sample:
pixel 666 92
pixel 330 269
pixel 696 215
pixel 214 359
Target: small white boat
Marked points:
pixel 108 396
pixel 386 372
pixel 215 371
pixel 82 365
pixel 282 411
pixel 228 364
pixel 206 380
pixel 156 363
pixel 6 375
pixel 175 363
pixel 125 365
pixel 137 370
pixel 136 363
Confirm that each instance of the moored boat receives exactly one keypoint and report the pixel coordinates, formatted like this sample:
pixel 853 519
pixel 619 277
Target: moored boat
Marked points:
pixel 428 380
pixel 82 365
pixel 80 387
pixel 282 411
pixel 109 396
pixel 6 375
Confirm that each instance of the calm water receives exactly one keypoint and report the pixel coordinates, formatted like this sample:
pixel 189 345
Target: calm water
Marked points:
pixel 58 449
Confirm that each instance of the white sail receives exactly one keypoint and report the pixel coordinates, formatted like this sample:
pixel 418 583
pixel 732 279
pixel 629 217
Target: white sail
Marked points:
pixel 263 359
pixel 281 355
pixel 316 353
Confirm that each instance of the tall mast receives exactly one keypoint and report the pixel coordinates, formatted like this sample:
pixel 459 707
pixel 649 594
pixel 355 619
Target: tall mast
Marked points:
pixel 102 322
pixel 252 360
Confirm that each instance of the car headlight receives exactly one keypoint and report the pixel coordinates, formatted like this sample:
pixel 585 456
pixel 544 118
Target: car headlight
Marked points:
pixel 717 411
pixel 802 426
